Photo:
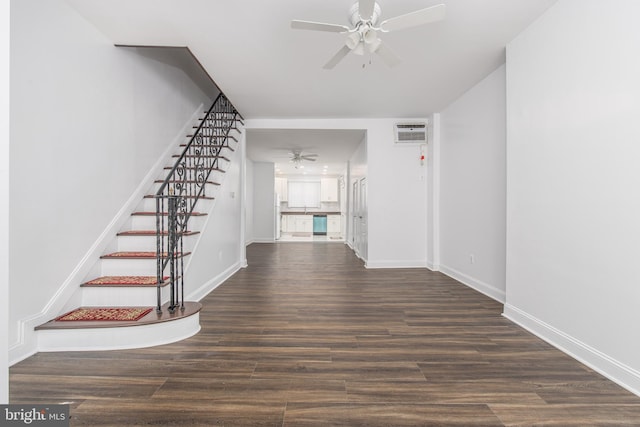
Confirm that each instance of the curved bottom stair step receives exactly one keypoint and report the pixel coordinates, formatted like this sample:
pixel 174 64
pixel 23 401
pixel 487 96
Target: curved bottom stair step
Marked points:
pixel 152 317
pixel 150 330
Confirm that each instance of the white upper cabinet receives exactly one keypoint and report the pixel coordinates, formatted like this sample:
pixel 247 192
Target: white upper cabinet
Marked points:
pixel 329 190
pixel 282 189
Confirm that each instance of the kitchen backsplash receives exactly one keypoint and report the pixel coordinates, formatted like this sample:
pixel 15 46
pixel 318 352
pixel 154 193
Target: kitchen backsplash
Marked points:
pixel 324 207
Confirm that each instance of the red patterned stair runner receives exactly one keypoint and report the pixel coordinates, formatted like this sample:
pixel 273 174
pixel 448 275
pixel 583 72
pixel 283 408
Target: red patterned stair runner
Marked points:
pixel 124 281
pixel 128 314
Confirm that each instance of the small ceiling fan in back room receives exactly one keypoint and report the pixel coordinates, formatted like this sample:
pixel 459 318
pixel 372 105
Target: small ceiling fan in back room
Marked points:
pixel 297 157
pixel 365 30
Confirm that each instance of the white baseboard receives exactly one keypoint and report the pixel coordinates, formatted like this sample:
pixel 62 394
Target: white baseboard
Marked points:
pixel 480 286
pixel 210 285
pixel 263 240
pixel 616 371
pixel 396 264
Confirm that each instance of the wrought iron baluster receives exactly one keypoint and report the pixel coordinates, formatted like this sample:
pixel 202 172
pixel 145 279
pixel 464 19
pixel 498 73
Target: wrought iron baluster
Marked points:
pixel 182 188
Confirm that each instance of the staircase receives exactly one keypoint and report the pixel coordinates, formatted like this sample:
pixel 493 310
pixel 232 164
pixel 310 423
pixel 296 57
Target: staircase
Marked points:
pixel 144 274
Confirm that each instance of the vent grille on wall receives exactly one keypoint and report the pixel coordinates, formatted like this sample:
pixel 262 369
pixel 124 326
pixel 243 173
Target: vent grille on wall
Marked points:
pixel 411 133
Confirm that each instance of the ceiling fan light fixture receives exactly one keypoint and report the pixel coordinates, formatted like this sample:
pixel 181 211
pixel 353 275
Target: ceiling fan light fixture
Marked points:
pixel 365 29
pixel 353 40
pixel 374 45
pixel 359 49
pixel 370 36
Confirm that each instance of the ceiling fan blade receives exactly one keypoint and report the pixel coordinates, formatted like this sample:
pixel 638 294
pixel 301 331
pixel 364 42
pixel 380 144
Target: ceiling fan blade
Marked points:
pixel 413 19
pixel 365 9
pixel 310 159
pixel 318 26
pixel 337 58
pixel 387 55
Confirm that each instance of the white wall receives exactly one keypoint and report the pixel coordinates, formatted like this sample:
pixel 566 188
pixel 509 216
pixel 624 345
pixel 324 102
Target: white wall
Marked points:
pixel 217 255
pixel 396 199
pixel 88 120
pixel 473 187
pixel 264 202
pixel 248 183
pixel 357 171
pixel 396 189
pixel 573 177
pixel 433 194
pixel 4 212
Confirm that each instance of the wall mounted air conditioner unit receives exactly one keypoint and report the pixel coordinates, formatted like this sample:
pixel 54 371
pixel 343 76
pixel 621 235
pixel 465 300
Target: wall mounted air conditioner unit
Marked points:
pixel 411 133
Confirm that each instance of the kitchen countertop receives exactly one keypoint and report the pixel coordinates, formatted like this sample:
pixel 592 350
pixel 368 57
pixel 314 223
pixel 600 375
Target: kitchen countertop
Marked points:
pixel 310 213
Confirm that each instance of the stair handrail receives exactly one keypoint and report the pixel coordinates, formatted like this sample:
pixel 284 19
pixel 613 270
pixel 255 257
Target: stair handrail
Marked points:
pixel 177 196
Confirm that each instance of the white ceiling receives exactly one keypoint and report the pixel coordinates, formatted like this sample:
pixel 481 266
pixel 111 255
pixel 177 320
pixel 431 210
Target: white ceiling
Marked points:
pixel 269 70
pixel 334 148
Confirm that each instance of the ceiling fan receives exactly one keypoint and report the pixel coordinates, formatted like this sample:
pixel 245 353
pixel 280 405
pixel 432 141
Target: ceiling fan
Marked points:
pixel 363 34
pixel 297 157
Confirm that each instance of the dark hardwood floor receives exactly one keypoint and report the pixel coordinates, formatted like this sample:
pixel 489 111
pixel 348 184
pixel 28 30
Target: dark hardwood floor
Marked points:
pixel 307 336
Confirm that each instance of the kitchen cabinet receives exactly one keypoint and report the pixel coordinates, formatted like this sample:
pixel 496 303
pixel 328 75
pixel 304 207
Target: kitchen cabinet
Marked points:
pixel 284 224
pixel 297 223
pixel 334 224
pixel 304 223
pixel 281 188
pixel 329 189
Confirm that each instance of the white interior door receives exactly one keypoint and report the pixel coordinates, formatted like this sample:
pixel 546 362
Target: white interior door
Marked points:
pixel 355 213
pixel 362 231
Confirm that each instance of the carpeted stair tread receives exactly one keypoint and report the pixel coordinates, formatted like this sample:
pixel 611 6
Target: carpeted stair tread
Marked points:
pixel 160 181
pixel 211 146
pixel 217 136
pixel 153 196
pixel 146 233
pixel 151 317
pixel 203 156
pixel 216 127
pixel 150 213
pixel 191 168
pixel 223 116
pixel 128 281
pixel 136 255
pixel 108 314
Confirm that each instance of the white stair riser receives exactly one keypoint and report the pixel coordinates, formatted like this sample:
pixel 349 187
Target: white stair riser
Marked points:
pixel 215 175
pixel 209 188
pixel 128 267
pixel 145 222
pixel 149 205
pixel 115 296
pixel 148 243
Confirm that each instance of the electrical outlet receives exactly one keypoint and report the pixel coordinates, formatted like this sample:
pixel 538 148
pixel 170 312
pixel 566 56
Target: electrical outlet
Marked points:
pixel 472 259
